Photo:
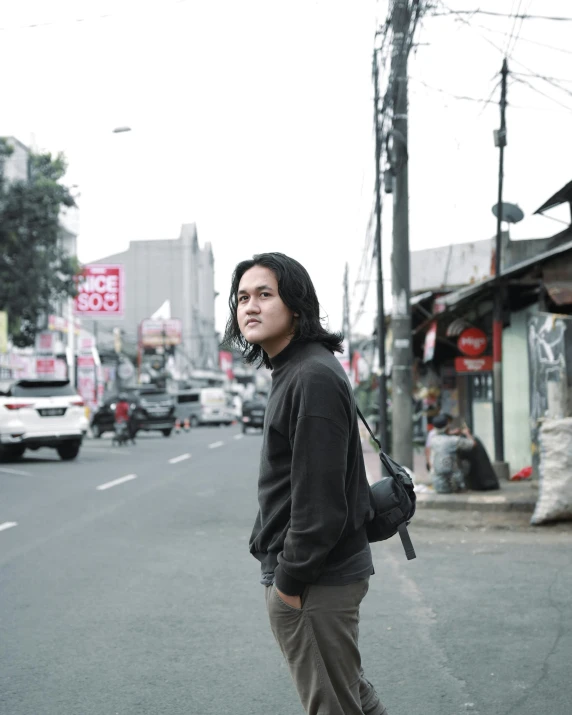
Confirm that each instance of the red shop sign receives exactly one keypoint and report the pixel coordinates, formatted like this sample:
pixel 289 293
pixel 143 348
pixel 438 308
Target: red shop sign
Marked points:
pixel 472 342
pixel 478 364
pixel 101 289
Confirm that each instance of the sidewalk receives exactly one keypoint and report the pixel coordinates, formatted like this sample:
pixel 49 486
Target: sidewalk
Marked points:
pixel 512 496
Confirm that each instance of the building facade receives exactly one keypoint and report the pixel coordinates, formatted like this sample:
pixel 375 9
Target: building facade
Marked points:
pixel 15 167
pixel 177 270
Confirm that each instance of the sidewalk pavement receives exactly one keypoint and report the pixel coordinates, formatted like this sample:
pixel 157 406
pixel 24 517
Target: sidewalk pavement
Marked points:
pixel 512 496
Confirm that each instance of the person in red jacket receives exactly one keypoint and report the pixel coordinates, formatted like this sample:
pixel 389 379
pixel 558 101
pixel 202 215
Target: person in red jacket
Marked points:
pixel 122 409
pixel 122 419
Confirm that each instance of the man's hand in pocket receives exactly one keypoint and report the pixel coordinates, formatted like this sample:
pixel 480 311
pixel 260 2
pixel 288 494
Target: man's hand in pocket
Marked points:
pixel 294 601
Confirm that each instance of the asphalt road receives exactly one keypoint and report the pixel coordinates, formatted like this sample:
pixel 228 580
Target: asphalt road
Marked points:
pixel 141 596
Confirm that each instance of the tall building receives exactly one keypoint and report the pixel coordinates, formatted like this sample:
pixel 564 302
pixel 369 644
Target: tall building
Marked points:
pixel 177 270
pixel 15 167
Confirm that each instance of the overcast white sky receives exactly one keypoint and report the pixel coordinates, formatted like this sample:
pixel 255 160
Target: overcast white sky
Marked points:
pixel 253 118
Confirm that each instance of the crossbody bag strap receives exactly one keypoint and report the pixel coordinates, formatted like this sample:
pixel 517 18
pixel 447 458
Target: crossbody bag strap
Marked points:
pixel 387 464
pixel 369 429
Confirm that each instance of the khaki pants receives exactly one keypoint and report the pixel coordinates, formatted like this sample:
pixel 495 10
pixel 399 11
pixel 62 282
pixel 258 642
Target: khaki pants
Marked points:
pixel 320 644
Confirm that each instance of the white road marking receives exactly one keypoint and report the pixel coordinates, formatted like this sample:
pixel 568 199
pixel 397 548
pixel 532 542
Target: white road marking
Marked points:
pixel 8 525
pixel 180 458
pixel 214 445
pixel 115 482
pixel 238 436
pixel 15 471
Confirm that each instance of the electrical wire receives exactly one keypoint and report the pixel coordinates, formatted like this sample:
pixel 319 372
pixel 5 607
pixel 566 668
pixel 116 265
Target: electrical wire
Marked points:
pixel 479 100
pixel 520 64
pixel 539 91
pixel 524 16
pixel 78 20
pixel 508 50
pixel 475 25
pixel 534 75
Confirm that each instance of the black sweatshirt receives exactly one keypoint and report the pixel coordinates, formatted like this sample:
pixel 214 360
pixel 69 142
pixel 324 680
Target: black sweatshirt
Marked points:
pixel 312 490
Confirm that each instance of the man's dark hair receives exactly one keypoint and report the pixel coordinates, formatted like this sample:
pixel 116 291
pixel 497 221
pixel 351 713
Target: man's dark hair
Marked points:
pixel 296 289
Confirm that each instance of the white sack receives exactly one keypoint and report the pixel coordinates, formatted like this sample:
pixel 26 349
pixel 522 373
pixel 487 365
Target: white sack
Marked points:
pixel 555 496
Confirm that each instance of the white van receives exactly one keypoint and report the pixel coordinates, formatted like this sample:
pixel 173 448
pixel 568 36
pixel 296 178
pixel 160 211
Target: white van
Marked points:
pixel 214 409
pixel 204 406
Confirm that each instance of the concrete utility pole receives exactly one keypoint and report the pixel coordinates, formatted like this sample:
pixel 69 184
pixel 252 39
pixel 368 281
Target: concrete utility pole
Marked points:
pixel 346 306
pixel 500 142
pixel 382 396
pixel 346 321
pixel 402 383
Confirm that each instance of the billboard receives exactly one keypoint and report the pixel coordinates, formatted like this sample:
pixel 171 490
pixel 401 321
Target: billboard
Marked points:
pixel 101 291
pixel 225 363
pixel 156 333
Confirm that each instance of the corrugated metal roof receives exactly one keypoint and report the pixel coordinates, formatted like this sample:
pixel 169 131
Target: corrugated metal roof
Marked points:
pixel 488 285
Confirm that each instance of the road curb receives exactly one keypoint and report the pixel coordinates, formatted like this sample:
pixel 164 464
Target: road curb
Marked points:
pixel 475 502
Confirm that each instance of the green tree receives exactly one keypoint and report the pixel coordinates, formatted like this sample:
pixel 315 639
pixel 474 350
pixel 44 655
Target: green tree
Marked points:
pixel 35 271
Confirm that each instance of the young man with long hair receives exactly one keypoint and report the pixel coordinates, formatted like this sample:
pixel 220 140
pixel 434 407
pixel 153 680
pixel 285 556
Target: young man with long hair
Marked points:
pixel 310 534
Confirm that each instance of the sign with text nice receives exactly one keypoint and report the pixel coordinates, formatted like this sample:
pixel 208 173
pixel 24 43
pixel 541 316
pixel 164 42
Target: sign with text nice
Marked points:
pixel 101 290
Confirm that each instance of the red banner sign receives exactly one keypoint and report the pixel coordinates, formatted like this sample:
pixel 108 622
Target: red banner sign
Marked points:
pixel 100 291
pixel 472 342
pixel 225 363
pixel 478 364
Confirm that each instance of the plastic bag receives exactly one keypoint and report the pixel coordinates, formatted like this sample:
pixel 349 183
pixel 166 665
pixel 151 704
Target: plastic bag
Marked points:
pixel 525 473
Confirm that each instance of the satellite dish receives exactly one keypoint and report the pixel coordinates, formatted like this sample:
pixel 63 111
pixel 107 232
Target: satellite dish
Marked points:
pixel 511 213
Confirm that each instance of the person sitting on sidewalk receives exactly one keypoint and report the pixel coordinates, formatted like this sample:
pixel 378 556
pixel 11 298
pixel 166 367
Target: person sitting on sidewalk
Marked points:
pixel 446 472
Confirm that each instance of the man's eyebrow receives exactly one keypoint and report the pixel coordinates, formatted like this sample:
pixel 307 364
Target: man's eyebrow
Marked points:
pixel 263 287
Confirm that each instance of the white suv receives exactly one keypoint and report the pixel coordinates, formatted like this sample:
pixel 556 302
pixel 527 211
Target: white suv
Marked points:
pixel 41 413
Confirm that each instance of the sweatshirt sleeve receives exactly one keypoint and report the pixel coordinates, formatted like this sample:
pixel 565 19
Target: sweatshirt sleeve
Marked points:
pixel 319 505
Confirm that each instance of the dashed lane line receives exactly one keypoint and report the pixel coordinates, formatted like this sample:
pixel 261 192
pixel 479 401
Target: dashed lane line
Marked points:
pixel 214 445
pixel 15 471
pixel 115 482
pixel 238 436
pixel 8 525
pixel 180 458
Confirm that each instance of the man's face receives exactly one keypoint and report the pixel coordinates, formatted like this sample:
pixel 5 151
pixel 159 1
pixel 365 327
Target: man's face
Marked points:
pixel 263 317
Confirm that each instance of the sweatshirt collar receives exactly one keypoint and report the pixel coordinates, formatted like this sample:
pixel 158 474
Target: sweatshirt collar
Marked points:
pixel 286 354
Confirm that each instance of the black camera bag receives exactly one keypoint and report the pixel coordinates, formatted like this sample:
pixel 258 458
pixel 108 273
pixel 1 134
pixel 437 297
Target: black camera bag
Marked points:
pixel 392 501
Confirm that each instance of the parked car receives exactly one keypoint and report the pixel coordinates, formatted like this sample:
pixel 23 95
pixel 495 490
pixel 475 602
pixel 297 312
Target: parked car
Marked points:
pixel 41 413
pixel 152 410
pixel 253 414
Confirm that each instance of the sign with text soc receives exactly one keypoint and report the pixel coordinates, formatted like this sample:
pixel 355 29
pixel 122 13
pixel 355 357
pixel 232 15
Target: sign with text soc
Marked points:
pixel 101 290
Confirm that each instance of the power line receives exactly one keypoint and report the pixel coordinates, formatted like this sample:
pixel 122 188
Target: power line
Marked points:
pixel 534 75
pixel 479 100
pixel 510 50
pixel 539 76
pixel 78 20
pixel 502 14
pixel 539 91
pixel 475 25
